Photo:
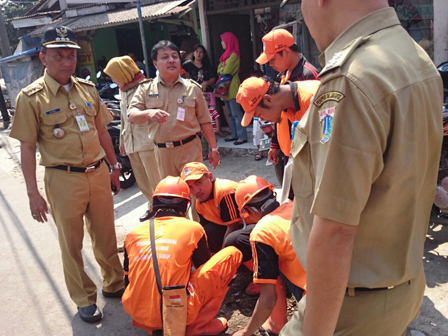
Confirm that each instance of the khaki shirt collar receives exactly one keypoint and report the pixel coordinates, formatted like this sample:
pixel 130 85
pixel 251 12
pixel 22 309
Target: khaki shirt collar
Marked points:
pixel 159 79
pixel 53 85
pixel 372 23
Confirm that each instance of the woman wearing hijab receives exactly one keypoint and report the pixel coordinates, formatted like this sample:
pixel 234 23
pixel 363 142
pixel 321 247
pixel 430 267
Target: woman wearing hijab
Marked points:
pixel 134 139
pixel 229 64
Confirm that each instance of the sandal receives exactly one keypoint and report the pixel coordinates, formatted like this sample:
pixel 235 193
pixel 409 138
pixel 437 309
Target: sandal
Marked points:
pixel 258 157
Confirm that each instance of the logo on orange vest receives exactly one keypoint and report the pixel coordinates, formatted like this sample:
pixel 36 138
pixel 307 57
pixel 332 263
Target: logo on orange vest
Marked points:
pixel 326 124
pixel 328 96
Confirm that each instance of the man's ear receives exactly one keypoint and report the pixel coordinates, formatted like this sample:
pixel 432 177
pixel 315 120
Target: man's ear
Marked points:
pixel 43 59
pixel 267 99
pixel 210 176
pixel 155 64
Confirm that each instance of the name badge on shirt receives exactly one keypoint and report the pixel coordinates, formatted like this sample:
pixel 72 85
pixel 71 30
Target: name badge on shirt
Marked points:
pixel 82 123
pixel 180 113
pixel 52 111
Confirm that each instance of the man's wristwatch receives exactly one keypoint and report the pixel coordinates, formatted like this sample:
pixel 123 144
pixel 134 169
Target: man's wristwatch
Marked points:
pixel 215 149
pixel 116 166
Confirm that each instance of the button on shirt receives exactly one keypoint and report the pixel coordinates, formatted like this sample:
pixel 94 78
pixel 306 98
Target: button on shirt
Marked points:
pixel 45 105
pixel 367 151
pixel 183 94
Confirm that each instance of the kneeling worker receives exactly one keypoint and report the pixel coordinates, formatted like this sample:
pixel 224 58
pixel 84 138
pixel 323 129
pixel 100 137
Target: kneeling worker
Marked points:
pixel 179 243
pixel 274 258
pixel 266 99
pixel 218 213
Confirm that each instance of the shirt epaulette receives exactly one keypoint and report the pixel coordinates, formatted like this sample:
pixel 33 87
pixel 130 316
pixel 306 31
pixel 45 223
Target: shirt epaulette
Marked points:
pixel 340 57
pixel 195 83
pixel 82 80
pixel 147 80
pixel 33 88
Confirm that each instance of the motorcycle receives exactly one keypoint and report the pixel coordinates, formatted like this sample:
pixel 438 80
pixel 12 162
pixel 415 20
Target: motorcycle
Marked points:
pixel 108 91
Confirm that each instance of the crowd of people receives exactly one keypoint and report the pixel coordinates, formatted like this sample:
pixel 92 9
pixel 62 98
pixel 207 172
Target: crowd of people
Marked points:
pixel 352 261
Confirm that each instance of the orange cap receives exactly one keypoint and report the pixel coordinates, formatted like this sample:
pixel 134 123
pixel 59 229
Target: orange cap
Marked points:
pixel 172 186
pixel 193 171
pixel 274 42
pixel 250 94
pixel 248 188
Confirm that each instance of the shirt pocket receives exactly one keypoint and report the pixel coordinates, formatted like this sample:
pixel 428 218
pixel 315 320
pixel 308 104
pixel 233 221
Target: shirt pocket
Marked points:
pixel 300 152
pixel 152 103
pixel 53 119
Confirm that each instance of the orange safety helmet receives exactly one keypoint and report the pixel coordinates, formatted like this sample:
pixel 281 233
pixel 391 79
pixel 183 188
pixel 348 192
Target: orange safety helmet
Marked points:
pixel 173 187
pixel 248 188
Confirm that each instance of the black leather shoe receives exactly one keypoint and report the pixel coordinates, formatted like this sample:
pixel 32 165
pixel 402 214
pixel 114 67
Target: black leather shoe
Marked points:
pixel 230 139
pixel 90 313
pixel 145 216
pixel 117 294
pixel 239 142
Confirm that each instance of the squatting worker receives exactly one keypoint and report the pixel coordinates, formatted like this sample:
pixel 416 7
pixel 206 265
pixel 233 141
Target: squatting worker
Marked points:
pixel 65 117
pixel 270 101
pixel 176 111
pixel 274 259
pixel 362 197
pixel 218 212
pixel 282 53
pixel 180 243
pixel 135 140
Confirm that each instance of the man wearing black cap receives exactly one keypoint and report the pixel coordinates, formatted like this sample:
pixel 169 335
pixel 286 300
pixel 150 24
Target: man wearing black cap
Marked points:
pixel 65 117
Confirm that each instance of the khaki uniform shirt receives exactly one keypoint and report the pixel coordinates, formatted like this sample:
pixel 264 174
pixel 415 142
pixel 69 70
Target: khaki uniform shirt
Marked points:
pixel 183 94
pixel 45 105
pixel 135 138
pixel 367 152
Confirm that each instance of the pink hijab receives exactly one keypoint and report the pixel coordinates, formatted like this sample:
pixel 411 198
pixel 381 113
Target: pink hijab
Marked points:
pixel 232 46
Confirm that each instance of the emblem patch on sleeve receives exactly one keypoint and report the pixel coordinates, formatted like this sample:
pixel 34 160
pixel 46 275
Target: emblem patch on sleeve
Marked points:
pixel 326 123
pixel 328 96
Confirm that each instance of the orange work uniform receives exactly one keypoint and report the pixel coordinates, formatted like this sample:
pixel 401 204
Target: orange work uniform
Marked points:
pixel 272 249
pixel 178 241
pixel 302 72
pixel 221 208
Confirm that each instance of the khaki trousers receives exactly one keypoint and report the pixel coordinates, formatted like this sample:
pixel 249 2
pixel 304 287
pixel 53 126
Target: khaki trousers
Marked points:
pixel 172 160
pixel 373 313
pixel 146 170
pixel 73 196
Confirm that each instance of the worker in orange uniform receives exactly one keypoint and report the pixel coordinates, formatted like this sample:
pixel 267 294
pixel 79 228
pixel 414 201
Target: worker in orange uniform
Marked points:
pixel 180 243
pixel 275 261
pixel 282 54
pixel 219 214
pixel 270 101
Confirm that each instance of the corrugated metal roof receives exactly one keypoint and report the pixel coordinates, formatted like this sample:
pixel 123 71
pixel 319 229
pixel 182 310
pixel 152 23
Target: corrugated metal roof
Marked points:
pixel 119 17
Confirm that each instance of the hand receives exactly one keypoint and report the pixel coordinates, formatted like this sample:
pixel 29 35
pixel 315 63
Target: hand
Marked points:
pixel 204 86
pixel 38 207
pixel 115 179
pixel 122 150
pixel 158 116
pixel 214 159
pixel 273 155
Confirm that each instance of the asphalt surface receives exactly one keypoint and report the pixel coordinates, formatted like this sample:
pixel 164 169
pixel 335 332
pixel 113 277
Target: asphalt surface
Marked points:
pixel 34 297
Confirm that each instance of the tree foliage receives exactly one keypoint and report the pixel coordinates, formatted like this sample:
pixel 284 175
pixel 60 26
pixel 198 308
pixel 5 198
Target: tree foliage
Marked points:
pixel 10 10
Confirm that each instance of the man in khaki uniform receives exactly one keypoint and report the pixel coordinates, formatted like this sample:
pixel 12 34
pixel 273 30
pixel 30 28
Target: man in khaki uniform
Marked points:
pixel 176 111
pixel 66 118
pixel 135 140
pixel 365 164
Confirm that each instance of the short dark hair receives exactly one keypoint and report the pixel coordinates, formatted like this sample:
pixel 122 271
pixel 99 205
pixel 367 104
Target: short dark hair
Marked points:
pixel 178 204
pixel 274 87
pixel 43 50
pixel 163 44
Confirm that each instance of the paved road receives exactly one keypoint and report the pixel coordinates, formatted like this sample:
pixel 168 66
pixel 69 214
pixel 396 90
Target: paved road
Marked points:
pixel 34 298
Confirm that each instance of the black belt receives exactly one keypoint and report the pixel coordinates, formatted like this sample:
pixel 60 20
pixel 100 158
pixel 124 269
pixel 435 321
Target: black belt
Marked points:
pixel 88 169
pixel 175 143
